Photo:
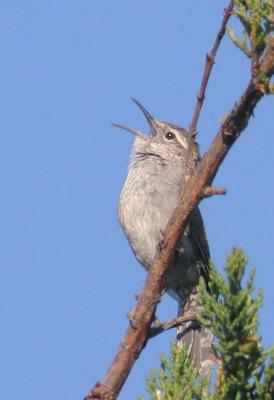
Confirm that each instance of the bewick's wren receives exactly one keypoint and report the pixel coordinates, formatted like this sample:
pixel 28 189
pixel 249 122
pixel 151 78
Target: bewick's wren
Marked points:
pixel 160 166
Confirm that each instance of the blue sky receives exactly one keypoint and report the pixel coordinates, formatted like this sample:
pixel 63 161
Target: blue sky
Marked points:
pixel 68 277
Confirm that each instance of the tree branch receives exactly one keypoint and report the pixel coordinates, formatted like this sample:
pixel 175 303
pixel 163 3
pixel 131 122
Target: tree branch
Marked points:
pixel 139 330
pixel 209 62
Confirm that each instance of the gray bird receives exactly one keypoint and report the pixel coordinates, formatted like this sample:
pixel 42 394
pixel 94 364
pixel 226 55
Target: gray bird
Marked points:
pixel 159 168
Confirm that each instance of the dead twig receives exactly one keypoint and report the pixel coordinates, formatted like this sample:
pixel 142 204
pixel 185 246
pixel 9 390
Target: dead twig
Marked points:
pixel 209 62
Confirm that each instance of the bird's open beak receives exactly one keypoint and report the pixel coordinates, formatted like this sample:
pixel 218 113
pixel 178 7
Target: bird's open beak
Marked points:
pixel 149 119
pixel 131 130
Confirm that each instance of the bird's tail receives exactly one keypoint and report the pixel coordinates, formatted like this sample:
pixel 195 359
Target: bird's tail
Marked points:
pixel 197 339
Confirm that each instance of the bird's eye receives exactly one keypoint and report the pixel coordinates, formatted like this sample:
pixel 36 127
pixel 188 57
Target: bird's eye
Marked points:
pixel 169 136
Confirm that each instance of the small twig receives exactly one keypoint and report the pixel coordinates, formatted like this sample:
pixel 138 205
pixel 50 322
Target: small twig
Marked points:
pixel 213 190
pixel 172 323
pixel 210 59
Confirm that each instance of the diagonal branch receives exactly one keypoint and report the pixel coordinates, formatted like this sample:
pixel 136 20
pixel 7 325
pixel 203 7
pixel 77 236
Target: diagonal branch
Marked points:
pixel 138 332
pixel 209 62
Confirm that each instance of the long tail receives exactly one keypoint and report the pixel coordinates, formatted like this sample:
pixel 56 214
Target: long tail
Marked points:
pixel 197 339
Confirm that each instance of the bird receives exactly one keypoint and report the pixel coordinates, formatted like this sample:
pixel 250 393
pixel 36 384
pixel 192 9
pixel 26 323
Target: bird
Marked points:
pixel 160 165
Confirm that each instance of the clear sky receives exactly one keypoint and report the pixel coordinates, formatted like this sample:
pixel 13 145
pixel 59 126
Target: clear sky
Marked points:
pixel 68 277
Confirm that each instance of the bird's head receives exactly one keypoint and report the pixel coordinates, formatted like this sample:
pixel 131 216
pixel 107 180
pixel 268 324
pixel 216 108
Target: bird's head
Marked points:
pixel 165 139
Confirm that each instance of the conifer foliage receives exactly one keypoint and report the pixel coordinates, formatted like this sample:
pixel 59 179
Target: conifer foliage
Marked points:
pixel 245 370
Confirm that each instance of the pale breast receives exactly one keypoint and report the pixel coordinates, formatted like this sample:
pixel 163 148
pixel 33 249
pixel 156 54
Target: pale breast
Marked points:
pixel 146 204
